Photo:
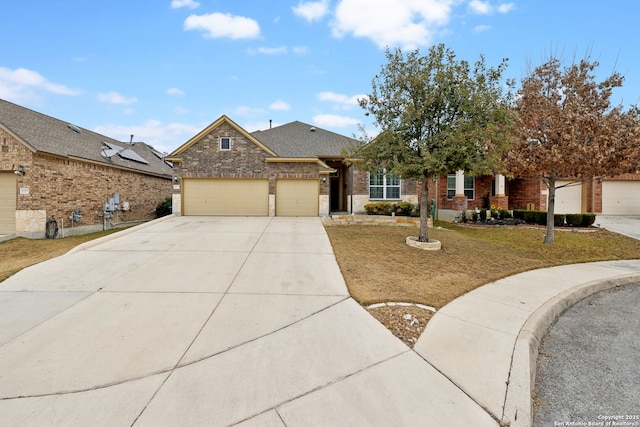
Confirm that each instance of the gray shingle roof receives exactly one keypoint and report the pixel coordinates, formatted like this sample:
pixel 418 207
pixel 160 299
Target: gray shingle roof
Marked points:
pixel 46 134
pixel 297 139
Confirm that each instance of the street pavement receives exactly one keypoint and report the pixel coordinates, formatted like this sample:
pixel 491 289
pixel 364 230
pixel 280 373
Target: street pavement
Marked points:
pixel 247 321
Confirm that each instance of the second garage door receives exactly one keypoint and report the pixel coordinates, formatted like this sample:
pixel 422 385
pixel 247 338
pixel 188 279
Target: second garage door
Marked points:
pixel 297 197
pixel 621 198
pixel 234 197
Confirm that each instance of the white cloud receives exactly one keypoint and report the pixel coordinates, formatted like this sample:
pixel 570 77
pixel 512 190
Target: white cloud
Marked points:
pixel 116 98
pixel 268 50
pixel 218 25
pixel 175 91
pixel 481 28
pixel 280 105
pixel 506 7
pixel 243 110
pixel 311 10
pixel 404 23
pixel 343 102
pixel 22 85
pixel 163 137
pixel 480 7
pixel 335 121
pixel 255 126
pixel 176 4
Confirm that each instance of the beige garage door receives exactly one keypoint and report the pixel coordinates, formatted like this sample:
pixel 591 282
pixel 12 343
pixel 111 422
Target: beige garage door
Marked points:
pixel 621 197
pixel 568 199
pixel 297 197
pixel 7 203
pixel 235 197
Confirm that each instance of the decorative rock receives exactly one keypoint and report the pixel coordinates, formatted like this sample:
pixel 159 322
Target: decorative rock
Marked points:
pixel 431 245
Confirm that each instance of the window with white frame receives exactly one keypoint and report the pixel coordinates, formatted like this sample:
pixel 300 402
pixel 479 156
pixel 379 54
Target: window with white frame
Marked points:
pixel 225 143
pixel 469 187
pixel 383 186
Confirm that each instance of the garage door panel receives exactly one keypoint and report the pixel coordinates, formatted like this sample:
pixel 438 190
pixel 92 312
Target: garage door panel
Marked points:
pixel 297 197
pixel 232 197
pixel 7 203
pixel 568 199
pixel 621 197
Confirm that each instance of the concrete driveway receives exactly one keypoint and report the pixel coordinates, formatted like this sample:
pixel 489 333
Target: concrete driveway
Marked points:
pixel 626 225
pixel 208 321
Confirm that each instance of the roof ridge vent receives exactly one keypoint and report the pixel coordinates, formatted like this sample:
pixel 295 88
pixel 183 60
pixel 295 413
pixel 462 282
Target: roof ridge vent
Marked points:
pixel 313 129
pixel 74 128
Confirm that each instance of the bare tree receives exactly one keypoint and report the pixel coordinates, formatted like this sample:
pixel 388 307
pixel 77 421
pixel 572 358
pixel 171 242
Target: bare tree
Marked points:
pixel 569 129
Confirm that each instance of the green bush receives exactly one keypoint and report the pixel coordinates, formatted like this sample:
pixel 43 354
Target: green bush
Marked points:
pixel 475 215
pixel 588 219
pixel 519 214
pixel 506 214
pixel 483 214
pixel 164 208
pixel 574 220
pixel 403 208
pixel 463 216
pixel 541 217
pixel 379 208
pixel 496 213
pixel 558 220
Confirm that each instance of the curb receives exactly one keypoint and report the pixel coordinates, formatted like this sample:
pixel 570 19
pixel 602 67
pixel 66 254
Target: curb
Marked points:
pixel 517 410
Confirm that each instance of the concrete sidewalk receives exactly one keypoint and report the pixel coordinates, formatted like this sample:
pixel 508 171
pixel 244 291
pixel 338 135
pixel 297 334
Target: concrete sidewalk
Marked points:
pixel 208 321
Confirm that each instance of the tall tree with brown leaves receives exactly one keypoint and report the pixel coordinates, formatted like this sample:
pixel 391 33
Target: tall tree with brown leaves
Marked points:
pixel 570 130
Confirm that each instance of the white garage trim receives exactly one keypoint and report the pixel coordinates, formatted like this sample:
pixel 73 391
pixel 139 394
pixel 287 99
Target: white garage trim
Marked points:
pixel 233 197
pixel 621 197
pixel 568 199
pixel 7 203
pixel 297 197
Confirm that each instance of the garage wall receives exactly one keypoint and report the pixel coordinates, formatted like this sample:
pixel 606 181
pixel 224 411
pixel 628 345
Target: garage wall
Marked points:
pixel 568 199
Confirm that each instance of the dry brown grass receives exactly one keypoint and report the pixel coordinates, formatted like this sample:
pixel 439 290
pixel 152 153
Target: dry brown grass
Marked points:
pixel 16 254
pixel 379 267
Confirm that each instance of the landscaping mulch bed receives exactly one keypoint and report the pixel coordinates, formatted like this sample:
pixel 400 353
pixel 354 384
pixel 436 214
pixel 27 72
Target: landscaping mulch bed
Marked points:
pixel 405 322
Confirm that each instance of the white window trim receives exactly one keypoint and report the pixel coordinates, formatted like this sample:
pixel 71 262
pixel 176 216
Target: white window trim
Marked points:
pixel 473 188
pixel 220 143
pixel 384 189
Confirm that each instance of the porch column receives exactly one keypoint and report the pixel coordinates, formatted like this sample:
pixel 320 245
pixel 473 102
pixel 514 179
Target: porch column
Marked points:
pixel 459 200
pixel 500 200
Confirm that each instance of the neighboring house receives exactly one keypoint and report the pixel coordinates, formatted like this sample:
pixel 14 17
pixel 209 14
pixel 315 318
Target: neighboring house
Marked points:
pixel 291 170
pixel 50 167
pixel 619 195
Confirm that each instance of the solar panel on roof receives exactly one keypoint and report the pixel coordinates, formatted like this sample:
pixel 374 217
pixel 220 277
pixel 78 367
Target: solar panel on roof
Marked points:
pixel 125 153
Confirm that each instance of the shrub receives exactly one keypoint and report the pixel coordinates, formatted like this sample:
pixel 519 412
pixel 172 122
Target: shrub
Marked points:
pixel 574 220
pixel 403 208
pixel 541 217
pixel 164 208
pixel 483 214
pixel 518 214
pixel 463 216
pixel 475 215
pixel 588 219
pixel 379 208
pixel 558 220
pixel 506 214
pixel 495 213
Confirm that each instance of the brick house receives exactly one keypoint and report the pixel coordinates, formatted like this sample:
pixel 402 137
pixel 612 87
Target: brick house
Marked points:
pixel 50 167
pixel 291 170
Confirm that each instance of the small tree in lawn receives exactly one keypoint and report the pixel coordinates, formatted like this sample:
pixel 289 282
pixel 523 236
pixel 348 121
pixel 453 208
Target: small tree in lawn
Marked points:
pixel 437 115
pixel 568 128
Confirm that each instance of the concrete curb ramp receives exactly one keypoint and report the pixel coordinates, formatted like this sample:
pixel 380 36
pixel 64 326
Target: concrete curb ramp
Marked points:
pixel 486 341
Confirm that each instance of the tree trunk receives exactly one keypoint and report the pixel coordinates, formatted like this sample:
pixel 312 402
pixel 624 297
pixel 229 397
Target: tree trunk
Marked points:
pixel 551 206
pixel 424 211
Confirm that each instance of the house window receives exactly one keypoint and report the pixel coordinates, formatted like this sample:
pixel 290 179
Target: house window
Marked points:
pixel 469 187
pixel 383 186
pixel 225 143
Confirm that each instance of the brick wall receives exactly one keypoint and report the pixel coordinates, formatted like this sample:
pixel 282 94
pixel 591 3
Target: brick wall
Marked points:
pixel 60 185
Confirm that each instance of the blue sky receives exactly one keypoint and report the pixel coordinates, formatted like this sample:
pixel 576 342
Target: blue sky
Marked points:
pixel 163 70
